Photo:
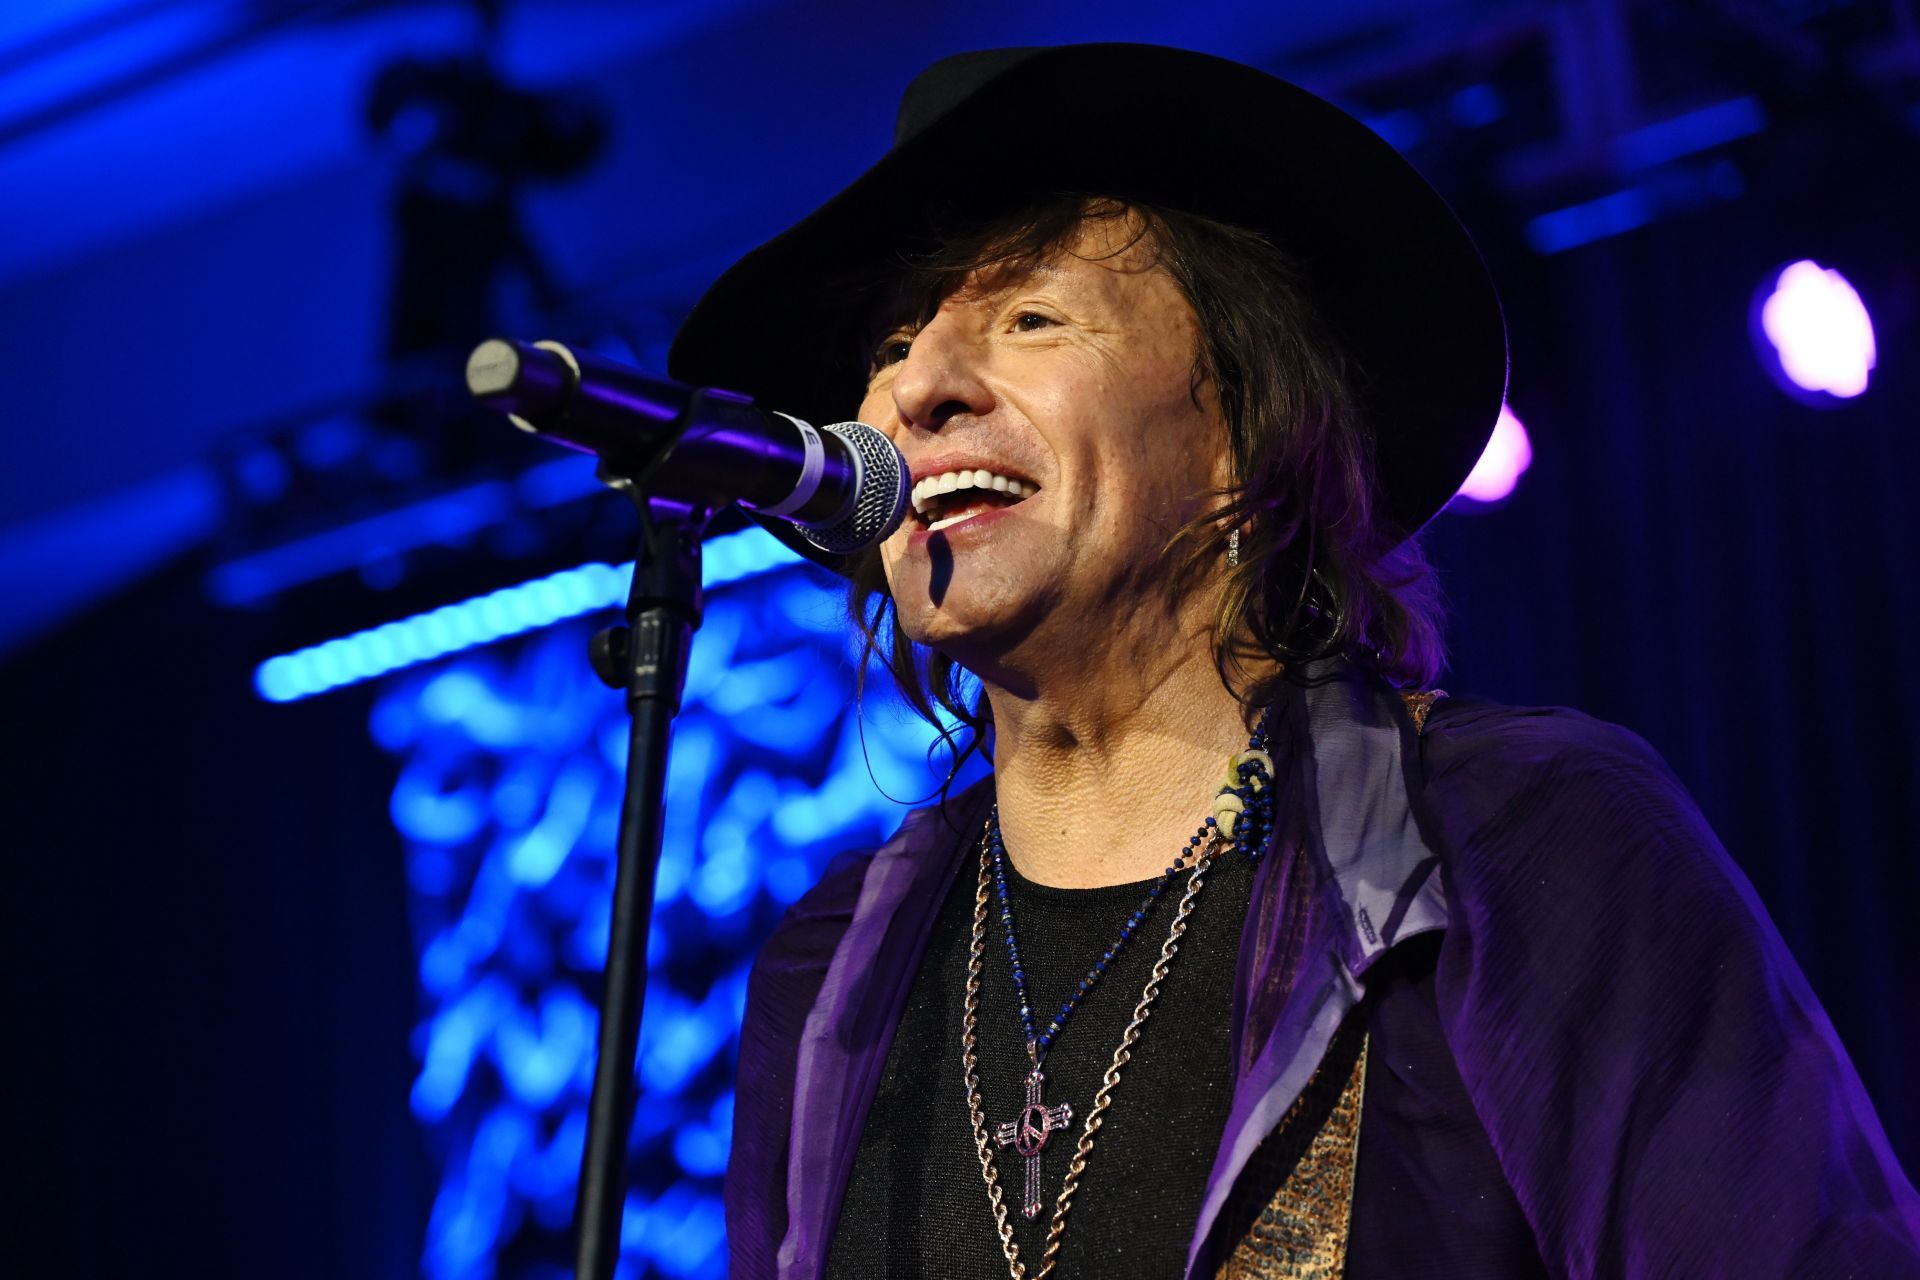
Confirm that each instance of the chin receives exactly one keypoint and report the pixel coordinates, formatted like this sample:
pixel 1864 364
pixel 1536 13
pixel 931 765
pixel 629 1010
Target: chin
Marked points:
pixel 976 617
pixel 950 627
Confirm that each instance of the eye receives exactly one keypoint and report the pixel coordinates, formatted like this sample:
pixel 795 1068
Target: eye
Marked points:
pixel 892 351
pixel 1028 321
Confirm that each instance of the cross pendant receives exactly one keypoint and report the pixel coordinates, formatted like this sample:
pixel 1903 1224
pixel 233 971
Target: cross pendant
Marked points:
pixel 1028 1136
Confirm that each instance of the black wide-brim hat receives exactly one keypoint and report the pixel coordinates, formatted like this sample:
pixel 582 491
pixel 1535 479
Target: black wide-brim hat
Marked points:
pixel 980 134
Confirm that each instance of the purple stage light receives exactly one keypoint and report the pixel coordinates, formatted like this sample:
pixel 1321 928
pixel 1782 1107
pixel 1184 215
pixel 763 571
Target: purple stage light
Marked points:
pixel 1508 453
pixel 1813 332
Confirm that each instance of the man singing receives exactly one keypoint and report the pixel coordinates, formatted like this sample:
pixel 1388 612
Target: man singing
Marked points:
pixel 1255 955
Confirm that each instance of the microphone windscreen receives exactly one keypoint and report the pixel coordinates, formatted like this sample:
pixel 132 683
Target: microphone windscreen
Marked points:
pixel 880 502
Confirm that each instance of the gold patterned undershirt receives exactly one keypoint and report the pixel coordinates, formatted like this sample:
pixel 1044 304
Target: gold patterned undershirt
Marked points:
pixel 1301 1231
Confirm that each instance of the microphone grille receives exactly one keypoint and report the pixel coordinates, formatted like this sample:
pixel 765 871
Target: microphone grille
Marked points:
pixel 879 503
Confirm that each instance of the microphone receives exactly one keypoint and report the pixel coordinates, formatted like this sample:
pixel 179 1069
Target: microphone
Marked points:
pixel 843 487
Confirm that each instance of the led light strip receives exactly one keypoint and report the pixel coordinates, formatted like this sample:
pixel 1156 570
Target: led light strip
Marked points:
pixel 510 611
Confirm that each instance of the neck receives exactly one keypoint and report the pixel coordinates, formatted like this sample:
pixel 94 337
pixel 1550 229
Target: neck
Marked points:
pixel 1102 776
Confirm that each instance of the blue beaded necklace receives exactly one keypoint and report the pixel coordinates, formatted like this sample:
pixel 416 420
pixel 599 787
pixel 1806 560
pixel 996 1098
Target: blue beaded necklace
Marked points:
pixel 1247 779
pixel 1241 820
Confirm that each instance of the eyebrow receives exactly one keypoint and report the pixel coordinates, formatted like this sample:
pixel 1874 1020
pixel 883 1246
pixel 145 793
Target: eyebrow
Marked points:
pixel 902 310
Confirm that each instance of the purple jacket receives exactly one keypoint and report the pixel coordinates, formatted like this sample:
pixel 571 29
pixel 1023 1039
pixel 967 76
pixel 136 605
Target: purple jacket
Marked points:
pixel 1612 1068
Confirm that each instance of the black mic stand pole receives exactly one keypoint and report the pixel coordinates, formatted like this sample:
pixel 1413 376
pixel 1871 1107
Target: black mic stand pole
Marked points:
pixel 647 658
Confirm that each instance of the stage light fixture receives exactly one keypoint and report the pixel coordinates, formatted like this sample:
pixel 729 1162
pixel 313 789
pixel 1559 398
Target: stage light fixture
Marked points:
pixel 1507 455
pixel 1812 332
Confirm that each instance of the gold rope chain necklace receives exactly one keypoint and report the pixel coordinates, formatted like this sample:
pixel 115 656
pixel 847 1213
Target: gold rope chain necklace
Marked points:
pixel 969 1062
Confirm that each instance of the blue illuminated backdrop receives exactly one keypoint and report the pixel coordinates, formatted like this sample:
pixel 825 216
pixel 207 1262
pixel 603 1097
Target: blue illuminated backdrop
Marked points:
pixel 507 798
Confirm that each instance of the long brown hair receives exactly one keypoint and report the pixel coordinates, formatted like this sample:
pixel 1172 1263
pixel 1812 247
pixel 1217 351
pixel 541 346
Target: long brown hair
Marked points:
pixel 1321 570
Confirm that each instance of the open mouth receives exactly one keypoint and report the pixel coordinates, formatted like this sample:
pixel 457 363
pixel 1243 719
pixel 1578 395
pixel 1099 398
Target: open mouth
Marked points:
pixel 953 496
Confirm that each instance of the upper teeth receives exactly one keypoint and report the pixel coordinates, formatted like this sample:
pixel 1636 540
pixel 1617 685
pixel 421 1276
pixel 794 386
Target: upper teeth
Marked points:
pixel 975 479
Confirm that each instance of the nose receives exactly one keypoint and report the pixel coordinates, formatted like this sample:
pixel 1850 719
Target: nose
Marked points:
pixel 940 378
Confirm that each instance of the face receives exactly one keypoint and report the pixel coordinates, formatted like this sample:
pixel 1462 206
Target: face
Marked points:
pixel 1056 443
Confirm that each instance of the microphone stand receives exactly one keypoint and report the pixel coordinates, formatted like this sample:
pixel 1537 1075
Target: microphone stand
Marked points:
pixel 648 659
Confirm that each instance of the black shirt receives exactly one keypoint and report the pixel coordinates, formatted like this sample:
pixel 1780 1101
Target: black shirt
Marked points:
pixel 916 1204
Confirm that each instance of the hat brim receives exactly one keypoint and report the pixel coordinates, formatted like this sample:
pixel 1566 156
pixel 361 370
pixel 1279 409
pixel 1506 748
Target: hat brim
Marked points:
pixel 1384 257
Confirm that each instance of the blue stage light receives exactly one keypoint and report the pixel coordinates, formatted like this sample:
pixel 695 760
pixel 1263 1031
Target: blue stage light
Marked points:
pixel 451 518
pixel 538 1060
pixel 702 1149
pixel 1691 132
pixel 1664 187
pixel 1477 106
pixel 510 611
pixel 1575 225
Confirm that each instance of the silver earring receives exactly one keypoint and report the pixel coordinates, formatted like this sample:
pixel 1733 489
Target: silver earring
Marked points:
pixel 1233 549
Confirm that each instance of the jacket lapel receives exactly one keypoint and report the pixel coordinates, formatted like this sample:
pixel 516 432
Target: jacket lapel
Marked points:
pixel 1349 877
pixel 843 1047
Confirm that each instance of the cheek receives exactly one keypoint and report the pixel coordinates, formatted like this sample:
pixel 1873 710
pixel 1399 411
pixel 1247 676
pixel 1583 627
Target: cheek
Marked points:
pixel 1165 455
pixel 876 409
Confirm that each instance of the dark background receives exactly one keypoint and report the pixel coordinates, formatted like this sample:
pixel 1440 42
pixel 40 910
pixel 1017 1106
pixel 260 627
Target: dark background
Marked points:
pixel 247 244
